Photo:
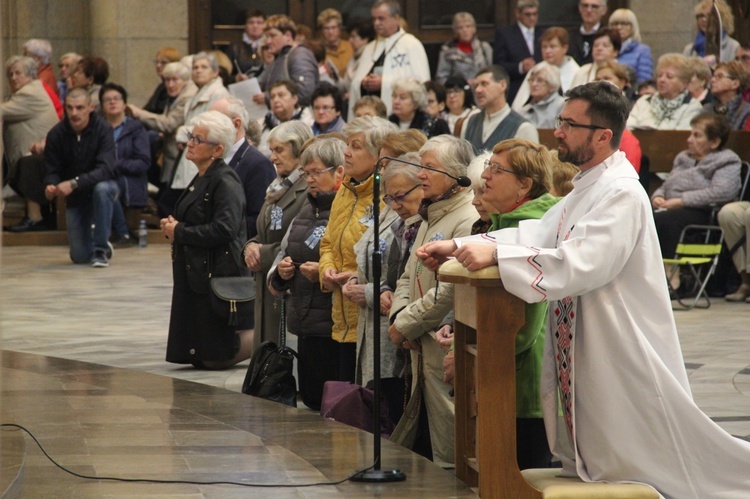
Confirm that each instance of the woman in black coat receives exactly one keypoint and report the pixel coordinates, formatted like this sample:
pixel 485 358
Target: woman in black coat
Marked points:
pixel 207 234
pixel 409 100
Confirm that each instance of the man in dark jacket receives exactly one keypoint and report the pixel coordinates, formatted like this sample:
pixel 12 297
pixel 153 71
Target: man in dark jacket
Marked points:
pixel 79 159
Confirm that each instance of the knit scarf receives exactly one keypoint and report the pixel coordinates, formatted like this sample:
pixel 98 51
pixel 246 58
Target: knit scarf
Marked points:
pixel 280 185
pixel 425 204
pixel 664 109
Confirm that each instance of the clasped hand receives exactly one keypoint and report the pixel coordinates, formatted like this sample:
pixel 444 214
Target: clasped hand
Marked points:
pixel 471 256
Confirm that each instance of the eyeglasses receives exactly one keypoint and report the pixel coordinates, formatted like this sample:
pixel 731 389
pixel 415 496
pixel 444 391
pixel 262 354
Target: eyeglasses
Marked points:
pixel 323 108
pixel 399 198
pixel 617 24
pixel 589 6
pixel 315 174
pixel 565 125
pixel 719 76
pixel 495 168
pixel 198 141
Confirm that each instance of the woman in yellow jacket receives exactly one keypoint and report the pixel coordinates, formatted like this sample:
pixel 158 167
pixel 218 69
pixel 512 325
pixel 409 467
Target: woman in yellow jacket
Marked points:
pixel 351 216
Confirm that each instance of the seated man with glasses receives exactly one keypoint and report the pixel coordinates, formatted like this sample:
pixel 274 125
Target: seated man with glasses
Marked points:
pixel 582 38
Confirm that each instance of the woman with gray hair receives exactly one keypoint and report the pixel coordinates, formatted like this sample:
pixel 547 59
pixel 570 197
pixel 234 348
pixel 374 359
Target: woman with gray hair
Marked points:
pixel 403 195
pixel 545 101
pixel 351 216
pixel 409 100
pixel 210 88
pixel 207 232
pixel 27 117
pixel 284 199
pixel 633 52
pixel 295 272
pixel 180 90
pixel 41 51
pixel 420 302
pixel 465 54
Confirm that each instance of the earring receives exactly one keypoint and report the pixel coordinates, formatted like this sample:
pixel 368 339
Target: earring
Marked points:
pixel 212 158
pixel 518 198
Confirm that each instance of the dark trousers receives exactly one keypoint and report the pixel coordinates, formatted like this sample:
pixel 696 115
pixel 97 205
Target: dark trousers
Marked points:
pixel 347 361
pixel 318 363
pixel 532 448
pixel 669 225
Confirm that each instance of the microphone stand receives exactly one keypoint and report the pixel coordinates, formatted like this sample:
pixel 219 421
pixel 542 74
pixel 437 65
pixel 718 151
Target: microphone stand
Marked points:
pixel 376 474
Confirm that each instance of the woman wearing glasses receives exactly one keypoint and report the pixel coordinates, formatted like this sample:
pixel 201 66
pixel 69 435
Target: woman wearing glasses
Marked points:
pixel 206 232
pixel 295 270
pixel 284 198
pixel 633 52
pixel 729 45
pixel 403 194
pixel 727 83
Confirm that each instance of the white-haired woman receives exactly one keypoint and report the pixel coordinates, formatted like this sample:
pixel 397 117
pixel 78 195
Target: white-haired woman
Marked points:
pixel 205 75
pixel 729 45
pixel 294 274
pixel 409 99
pixel 633 52
pixel 420 303
pixel 207 233
pixel 27 117
pixel 351 216
pixel 180 90
pixel 284 198
pixel 545 101
pixel 41 51
pixel 464 55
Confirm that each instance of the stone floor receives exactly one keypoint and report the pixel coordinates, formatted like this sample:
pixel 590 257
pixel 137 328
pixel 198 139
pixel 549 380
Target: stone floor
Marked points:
pixel 118 317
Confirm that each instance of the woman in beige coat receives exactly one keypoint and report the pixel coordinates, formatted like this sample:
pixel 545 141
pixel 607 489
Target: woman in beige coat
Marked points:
pixel 420 303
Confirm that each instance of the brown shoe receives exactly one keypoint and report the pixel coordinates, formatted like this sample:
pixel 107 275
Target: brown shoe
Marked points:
pixel 742 294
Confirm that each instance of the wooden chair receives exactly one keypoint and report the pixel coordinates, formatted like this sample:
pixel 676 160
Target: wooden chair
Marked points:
pixel 486 320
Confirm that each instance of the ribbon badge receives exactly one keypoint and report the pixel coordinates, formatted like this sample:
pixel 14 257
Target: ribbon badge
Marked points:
pixel 315 237
pixel 277 213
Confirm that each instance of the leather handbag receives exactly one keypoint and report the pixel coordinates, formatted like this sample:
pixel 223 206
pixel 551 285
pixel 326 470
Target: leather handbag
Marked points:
pixel 270 374
pixel 233 297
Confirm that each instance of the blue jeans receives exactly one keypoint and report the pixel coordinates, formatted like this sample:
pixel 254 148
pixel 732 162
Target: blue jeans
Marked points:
pixel 119 223
pixel 90 222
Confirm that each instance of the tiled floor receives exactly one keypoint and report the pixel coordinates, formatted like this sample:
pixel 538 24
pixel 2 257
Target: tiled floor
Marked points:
pixel 119 316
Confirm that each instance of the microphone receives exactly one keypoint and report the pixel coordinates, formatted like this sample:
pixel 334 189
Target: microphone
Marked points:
pixel 463 181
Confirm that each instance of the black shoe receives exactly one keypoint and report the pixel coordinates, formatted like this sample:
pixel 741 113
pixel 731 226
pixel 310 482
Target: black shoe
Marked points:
pixel 28 225
pixel 123 241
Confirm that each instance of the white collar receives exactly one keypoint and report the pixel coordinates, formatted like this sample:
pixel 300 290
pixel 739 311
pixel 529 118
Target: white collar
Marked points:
pixel 593 30
pixel 525 30
pixel 233 150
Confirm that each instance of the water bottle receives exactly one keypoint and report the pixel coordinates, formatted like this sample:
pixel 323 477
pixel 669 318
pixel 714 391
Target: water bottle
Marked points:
pixel 142 235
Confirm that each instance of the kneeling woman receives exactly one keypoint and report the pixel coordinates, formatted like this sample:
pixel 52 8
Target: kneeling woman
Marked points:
pixel 207 234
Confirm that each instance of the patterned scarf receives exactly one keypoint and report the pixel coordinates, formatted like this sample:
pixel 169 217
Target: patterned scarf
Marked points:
pixel 425 204
pixel 664 109
pixel 280 185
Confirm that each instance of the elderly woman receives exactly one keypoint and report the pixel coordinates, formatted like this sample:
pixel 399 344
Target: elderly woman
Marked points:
pixel 160 97
pixel 210 88
pixel 606 47
pixel 284 198
pixel 180 90
pixel 292 61
pixel 351 216
pixel 466 54
pixel 207 232
pixel 633 52
pixel 554 43
pixel 704 175
pixel 295 270
pixel 672 107
pixel 420 303
pixel 403 195
pixel 727 83
pixel 133 157
pixel 459 103
pixel 545 101
pixel 27 117
pixel 338 50
pixel 90 73
pixel 729 45
pixel 700 78
pixel 327 104
pixel 517 181
pixel 409 99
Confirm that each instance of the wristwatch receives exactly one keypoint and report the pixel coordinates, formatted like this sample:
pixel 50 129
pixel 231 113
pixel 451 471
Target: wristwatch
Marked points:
pixel 494 254
pixel 74 183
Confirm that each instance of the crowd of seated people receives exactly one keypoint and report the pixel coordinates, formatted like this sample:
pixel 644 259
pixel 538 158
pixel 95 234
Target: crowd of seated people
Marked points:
pixel 306 170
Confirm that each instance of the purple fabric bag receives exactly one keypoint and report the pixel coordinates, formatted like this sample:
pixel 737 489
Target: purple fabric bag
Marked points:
pixel 353 405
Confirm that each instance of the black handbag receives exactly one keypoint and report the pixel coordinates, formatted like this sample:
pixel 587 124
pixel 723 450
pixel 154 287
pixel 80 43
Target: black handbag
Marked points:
pixel 233 297
pixel 270 374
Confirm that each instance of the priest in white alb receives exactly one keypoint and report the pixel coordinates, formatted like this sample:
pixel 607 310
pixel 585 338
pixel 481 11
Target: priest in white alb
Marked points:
pixel 612 357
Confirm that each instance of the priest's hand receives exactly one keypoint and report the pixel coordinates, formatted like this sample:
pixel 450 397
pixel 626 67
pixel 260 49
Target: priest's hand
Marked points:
pixel 475 256
pixel 435 253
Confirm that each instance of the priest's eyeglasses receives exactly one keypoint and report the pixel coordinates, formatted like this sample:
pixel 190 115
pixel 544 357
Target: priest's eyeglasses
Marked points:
pixel 565 125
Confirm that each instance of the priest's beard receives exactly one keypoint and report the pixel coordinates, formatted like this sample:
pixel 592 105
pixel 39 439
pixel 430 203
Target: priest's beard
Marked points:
pixel 579 155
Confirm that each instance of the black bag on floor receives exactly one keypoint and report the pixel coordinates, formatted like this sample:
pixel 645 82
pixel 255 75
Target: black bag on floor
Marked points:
pixel 270 374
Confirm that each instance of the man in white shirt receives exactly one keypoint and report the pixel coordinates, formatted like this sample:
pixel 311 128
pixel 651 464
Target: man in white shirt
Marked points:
pixel 517 46
pixel 393 55
pixel 612 353
pixel 496 121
